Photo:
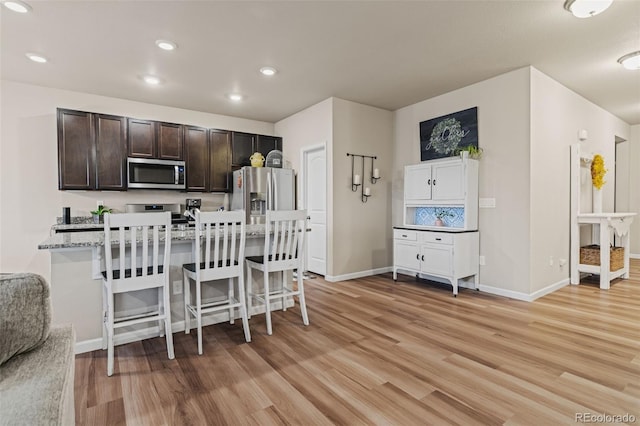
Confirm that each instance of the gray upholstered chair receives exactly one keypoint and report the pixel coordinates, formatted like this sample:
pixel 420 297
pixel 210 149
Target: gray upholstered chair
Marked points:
pixel 37 361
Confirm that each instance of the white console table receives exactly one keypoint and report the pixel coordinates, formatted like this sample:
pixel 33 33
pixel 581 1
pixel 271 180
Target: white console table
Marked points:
pixel 608 223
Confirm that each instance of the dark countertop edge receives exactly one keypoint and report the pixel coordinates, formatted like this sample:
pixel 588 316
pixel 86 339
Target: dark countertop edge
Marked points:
pixel 435 229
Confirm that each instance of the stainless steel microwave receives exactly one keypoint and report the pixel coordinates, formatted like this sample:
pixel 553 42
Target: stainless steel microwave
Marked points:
pixel 146 173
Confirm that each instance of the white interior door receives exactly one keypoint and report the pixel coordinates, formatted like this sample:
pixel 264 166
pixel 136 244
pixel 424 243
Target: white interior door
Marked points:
pixel 315 200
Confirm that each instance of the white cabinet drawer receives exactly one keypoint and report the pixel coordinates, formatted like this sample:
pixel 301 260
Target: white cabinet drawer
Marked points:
pixel 436 238
pixel 403 234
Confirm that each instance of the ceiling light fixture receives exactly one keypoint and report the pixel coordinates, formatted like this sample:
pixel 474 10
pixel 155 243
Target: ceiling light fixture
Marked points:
pixel 36 58
pixel 586 8
pixel 17 6
pixel 166 45
pixel 631 61
pixel 152 80
pixel 268 71
pixel 235 97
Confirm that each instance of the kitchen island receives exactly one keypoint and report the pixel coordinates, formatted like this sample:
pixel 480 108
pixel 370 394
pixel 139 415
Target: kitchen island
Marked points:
pixel 77 259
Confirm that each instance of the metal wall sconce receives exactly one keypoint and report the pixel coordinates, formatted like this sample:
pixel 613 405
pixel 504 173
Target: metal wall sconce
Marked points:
pixel 355 178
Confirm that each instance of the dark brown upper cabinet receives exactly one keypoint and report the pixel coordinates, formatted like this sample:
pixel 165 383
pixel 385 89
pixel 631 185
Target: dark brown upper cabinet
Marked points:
pixel 111 148
pixel 170 146
pixel 266 144
pixel 242 147
pixel 196 145
pixel 76 150
pixel 152 139
pixel 91 151
pixel 208 159
pixel 219 160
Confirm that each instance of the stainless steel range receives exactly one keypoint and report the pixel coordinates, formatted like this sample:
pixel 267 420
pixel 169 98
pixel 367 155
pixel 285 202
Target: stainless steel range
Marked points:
pixel 176 210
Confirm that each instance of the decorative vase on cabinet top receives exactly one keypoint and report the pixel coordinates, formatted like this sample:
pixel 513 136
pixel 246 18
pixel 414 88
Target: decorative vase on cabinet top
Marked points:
pixel 597 200
pixel 257 159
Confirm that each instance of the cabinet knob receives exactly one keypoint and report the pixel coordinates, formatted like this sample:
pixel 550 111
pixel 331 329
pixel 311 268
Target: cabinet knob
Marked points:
pixel 429 182
pixel 438 239
pixel 423 257
pixel 434 181
pixel 418 256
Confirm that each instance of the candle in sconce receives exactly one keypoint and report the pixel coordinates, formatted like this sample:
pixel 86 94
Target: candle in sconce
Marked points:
pixel 356 179
pixel 376 173
pixel 367 191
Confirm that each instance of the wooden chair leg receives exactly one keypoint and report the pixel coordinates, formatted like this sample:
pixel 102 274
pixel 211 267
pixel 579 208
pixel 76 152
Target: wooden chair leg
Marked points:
pixel 110 336
pixel 282 282
pixel 303 304
pixel 243 309
pixel 167 320
pixel 249 291
pixel 161 308
pixel 230 296
pixel 267 301
pixel 199 314
pixel 186 286
pixel 105 313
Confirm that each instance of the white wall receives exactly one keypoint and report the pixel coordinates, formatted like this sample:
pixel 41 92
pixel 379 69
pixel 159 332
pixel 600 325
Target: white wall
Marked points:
pixel 503 132
pixel 634 187
pixel 359 235
pixel 30 200
pixel 362 231
pixel 309 127
pixel 557 114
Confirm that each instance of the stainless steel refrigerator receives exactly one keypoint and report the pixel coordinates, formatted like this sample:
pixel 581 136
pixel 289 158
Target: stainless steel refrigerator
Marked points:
pixel 258 189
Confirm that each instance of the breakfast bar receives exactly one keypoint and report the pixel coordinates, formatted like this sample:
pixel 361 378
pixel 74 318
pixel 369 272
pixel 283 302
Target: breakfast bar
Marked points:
pixel 77 259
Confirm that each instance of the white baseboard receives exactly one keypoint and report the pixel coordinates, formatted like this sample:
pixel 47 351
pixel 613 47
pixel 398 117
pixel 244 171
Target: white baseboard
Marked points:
pixel 634 256
pixel 354 275
pixel 153 331
pixel 524 296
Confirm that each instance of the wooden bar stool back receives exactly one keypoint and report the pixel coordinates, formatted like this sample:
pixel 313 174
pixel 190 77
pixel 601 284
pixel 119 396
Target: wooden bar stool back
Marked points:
pixel 135 260
pixel 219 254
pixel 284 246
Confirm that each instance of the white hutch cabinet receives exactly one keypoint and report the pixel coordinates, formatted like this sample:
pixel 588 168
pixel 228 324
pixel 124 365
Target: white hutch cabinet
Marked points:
pixel 449 251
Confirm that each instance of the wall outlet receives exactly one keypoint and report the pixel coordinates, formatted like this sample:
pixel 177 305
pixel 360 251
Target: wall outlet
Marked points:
pixel 550 260
pixel 562 262
pixel 99 203
pixel 177 287
pixel 482 261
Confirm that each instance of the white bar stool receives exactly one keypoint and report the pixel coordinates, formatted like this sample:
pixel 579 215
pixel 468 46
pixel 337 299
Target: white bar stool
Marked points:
pixel 225 232
pixel 284 245
pixel 131 266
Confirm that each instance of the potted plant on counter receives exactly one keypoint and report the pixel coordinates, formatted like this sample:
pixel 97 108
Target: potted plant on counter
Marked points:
pixel 441 214
pixel 98 213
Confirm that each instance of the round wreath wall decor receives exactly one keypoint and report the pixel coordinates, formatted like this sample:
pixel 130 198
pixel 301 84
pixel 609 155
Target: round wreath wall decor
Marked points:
pixel 598 171
pixel 446 135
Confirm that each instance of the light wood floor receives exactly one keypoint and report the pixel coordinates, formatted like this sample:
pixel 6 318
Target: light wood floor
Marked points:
pixel 379 352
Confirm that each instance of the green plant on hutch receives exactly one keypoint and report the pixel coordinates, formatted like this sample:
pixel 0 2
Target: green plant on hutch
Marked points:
pixel 99 212
pixel 475 152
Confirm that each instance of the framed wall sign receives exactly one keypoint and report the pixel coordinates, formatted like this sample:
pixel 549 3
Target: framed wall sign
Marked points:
pixel 441 137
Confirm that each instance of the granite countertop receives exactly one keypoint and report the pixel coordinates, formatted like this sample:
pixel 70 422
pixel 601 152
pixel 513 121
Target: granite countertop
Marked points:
pixel 93 238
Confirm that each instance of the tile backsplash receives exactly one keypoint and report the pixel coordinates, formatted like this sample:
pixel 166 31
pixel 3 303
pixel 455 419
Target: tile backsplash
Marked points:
pixel 426 216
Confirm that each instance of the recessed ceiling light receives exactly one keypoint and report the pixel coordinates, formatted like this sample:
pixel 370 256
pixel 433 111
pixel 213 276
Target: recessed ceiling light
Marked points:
pixel 268 71
pixel 37 58
pixel 151 79
pixel 631 61
pixel 235 97
pixel 166 45
pixel 586 8
pixel 17 6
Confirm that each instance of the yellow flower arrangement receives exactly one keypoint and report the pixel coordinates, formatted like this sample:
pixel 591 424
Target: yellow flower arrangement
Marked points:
pixel 598 171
